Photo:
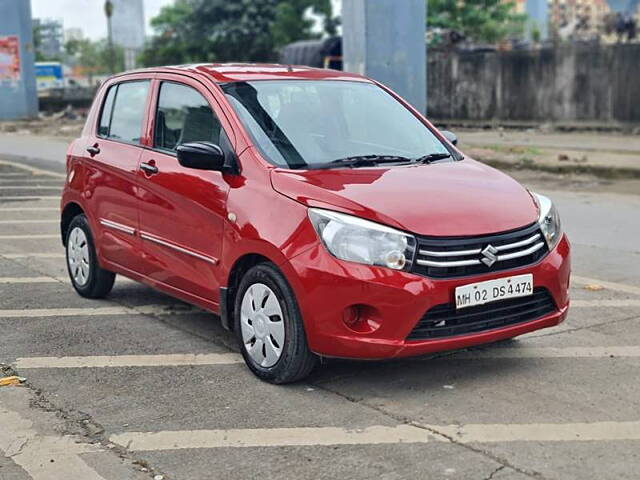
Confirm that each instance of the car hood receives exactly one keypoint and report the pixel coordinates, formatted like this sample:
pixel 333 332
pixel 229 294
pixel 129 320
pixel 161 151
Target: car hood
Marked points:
pixel 441 199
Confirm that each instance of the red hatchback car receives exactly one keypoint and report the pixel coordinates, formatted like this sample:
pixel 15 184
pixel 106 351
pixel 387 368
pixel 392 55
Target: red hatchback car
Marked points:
pixel 315 211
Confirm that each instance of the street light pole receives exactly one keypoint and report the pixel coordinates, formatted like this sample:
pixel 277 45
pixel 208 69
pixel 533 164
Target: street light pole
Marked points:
pixel 108 11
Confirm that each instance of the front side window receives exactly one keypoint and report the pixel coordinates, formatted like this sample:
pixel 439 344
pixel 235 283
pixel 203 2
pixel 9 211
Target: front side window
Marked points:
pixel 123 111
pixel 302 123
pixel 184 116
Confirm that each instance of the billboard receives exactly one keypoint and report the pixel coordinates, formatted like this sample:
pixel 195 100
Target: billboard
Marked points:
pixel 49 75
pixel 9 58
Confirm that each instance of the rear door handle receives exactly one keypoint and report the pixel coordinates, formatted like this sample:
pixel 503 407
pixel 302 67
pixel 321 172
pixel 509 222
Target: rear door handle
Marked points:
pixel 148 168
pixel 93 150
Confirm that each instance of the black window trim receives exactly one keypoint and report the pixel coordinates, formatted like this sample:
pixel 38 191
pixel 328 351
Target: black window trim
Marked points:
pixel 116 85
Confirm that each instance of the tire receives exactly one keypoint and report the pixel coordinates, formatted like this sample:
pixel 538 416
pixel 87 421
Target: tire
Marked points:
pixel 264 295
pixel 87 277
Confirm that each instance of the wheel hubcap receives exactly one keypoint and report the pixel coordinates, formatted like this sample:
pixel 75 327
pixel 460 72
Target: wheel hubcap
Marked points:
pixel 262 323
pixel 78 256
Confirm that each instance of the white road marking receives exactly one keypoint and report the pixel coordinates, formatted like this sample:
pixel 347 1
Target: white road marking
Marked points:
pixel 610 285
pixel 112 361
pixel 605 303
pixel 629 351
pixel 32 170
pixel 542 432
pixel 271 437
pixel 31 197
pixel 190 359
pixel 28 180
pixel 11 280
pixel 43 457
pixel 30 209
pixel 29 236
pixel 314 436
pixel 99 311
pixel 20 222
pixel 30 187
pixel 17 256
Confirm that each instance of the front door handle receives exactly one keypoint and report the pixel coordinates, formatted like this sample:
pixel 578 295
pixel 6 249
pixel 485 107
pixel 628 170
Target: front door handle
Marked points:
pixel 148 168
pixel 93 150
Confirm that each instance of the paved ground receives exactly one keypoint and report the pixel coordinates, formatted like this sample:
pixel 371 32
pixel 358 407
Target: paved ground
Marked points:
pixel 139 385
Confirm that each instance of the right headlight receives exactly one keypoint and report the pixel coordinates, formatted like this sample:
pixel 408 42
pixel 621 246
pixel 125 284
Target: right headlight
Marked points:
pixel 358 240
pixel 548 219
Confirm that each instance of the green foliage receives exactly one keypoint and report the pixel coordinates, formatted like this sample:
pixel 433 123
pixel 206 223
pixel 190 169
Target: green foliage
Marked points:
pixel 230 30
pixel 479 20
pixel 292 24
pixel 94 57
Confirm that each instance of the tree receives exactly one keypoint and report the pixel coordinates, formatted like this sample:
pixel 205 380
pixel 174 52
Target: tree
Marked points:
pixel 291 22
pixel 93 57
pixel 479 20
pixel 230 30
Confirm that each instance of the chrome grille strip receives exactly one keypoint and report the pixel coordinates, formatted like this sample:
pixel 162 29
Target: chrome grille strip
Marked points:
pixel 118 226
pixel 454 253
pixel 521 253
pixel 521 243
pixel 459 263
pixel 151 238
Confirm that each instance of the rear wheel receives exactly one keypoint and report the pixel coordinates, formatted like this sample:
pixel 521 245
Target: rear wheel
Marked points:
pixel 87 277
pixel 269 327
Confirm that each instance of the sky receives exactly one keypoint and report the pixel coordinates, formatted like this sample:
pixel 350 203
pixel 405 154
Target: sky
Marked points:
pixel 87 14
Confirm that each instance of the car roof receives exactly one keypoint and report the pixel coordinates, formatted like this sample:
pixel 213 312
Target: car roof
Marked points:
pixel 242 72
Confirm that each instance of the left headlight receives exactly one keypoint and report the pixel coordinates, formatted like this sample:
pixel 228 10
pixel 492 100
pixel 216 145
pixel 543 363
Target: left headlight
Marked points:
pixel 548 219
pixel 358 240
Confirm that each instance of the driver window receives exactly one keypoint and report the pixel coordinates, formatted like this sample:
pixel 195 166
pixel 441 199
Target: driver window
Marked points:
pixel 183 116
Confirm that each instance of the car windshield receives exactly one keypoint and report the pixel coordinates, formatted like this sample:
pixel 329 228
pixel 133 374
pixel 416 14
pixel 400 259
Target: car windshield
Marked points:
pixel 330 123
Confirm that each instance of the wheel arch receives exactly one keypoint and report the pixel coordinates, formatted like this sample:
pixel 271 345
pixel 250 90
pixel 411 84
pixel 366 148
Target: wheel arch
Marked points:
pixel 237 271
pixel 70 211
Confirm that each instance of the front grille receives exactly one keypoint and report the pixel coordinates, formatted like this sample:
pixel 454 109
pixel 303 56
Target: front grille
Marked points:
pixel 445 321
pixel 461 256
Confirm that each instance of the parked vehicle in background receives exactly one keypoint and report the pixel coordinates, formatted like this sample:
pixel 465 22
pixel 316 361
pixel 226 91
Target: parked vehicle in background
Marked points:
pixel 315 211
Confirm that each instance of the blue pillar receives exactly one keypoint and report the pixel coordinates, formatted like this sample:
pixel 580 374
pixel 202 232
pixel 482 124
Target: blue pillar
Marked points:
pixel 18 95
pixel 385 40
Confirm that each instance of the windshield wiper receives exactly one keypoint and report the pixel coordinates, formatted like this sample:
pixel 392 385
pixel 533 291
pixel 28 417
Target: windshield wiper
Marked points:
pixel 432 157
pixel 362 161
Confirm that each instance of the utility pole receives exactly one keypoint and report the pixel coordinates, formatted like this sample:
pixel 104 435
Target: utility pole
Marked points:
pixel 108 11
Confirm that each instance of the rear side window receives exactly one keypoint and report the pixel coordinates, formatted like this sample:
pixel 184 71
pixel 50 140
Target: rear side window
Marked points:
pixel 123 111
pixel 107 109
pixel 184 116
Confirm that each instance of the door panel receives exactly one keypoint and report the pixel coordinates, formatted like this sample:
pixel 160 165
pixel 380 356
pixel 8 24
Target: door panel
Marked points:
pixel 112 166
pixel 182 210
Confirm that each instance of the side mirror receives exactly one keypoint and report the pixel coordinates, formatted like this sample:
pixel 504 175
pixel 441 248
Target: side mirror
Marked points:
pixel 450 136
pixel 201 156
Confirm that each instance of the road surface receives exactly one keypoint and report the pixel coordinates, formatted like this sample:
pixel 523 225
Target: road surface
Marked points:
pixel 140 385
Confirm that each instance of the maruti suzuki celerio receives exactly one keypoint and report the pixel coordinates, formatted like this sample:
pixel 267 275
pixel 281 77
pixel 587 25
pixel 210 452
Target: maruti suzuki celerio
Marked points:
pixel 315 211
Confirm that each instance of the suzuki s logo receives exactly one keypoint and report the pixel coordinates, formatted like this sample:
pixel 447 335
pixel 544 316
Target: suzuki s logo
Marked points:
pixel 489 255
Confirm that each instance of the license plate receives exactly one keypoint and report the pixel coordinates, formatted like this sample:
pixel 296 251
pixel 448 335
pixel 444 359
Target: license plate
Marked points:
pixel 494 290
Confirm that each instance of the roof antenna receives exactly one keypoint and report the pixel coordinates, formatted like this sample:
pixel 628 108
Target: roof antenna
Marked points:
pixel 289 68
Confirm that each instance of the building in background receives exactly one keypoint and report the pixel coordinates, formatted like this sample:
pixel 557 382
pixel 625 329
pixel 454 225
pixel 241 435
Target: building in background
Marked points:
pixel 590 19
pixel 128 29
pixel 49 39
pixel 73 34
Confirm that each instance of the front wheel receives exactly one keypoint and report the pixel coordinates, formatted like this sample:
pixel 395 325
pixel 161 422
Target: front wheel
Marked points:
pixel 269 327
pixel 87 277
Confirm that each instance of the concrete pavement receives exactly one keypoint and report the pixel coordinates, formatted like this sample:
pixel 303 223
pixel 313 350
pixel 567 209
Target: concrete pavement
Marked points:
pixel 139 384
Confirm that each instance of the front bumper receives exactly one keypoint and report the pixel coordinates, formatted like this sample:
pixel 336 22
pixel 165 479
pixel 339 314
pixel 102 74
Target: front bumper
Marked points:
pixel 393 302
